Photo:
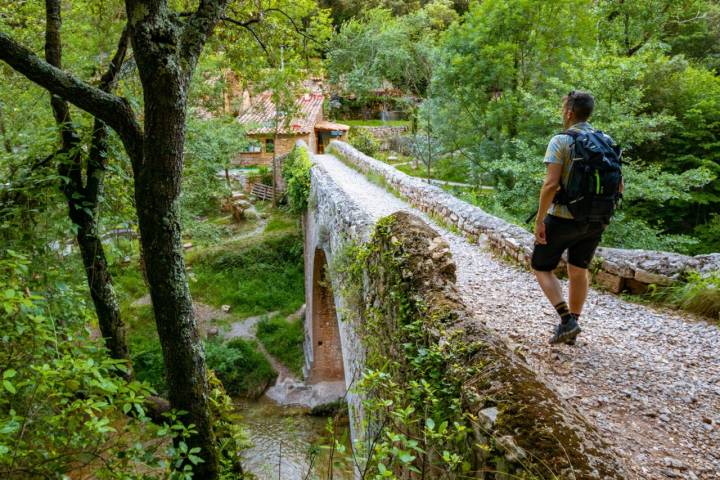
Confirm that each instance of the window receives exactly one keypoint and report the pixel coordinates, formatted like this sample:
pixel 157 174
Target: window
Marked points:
pixel 269 145
pixel 252 147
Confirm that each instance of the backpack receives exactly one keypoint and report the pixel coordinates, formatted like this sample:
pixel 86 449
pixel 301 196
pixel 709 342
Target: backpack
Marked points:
pixel 592 190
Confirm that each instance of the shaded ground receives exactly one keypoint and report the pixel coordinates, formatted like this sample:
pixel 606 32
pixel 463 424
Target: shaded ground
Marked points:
pixel 648 378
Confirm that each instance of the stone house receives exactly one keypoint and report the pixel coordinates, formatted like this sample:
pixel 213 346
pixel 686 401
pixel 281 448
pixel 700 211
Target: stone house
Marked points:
pixel 259 115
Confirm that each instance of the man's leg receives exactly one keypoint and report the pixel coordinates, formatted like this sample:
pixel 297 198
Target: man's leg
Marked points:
pixel 578 288
pixel 550 286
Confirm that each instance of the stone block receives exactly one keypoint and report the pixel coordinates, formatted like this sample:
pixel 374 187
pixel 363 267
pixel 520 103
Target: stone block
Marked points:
pixel 610 282
pixel 635 287
pixel 646 277
pixel 617 269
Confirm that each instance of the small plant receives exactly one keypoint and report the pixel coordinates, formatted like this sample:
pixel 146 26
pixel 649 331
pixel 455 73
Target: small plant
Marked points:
pixel 701 294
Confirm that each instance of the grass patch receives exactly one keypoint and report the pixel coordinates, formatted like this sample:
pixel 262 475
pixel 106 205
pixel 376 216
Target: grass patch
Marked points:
pixel 284 341
pixel 376 123
pixel 128 282
pixel 699 294
pixel 281 220
pixel 242 368
pixel 145 350
pixel 253 275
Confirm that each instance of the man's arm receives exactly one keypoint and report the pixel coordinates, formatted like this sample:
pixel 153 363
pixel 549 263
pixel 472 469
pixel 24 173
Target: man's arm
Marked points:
pixel 547 194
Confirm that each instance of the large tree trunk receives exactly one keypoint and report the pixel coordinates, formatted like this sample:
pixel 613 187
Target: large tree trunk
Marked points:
pixel 83 201
pixel 158 177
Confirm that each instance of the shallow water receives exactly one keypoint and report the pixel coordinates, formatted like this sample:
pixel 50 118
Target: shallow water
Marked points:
pixel 287 442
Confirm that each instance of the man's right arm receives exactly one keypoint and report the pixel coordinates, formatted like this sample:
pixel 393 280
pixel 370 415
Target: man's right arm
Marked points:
pixel 547 194
pixel 554 161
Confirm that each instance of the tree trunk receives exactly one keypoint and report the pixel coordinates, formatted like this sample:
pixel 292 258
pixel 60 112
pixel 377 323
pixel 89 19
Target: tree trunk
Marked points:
pixel 83 202
pixel 158 177
pixel 157 188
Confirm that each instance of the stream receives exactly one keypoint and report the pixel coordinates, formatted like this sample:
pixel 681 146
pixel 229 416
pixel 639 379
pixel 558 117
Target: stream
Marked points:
pixel 286 442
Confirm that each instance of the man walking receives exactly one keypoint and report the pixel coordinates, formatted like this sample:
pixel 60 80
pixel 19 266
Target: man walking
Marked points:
pixel 582 186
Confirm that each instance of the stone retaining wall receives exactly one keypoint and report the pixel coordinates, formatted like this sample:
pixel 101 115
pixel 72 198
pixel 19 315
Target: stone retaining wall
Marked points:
pixel 386 132
pixel 615 269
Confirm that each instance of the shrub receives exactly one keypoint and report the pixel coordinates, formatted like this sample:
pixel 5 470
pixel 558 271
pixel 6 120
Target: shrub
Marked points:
pixel 284 341
pixel 243 370
pixel 296 172
pixel 63 405
pixel 363 140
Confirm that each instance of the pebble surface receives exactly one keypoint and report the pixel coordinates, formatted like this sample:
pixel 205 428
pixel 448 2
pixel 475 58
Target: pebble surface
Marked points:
pixel 648 378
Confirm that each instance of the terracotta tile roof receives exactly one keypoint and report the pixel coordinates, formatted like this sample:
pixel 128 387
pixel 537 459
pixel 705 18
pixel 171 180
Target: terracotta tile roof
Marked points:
pixel 260 115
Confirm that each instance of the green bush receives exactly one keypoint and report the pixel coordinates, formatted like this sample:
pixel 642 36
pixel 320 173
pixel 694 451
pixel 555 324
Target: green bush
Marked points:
pixel 243 370
pixel 296 172
pixel 284 341
pixel 63 403
pixel 363 140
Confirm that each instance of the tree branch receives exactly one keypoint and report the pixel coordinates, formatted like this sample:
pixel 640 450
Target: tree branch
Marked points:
pixel 97 159
pixel 113 110
pixel 70 156
pixel 246 25
pixel 295 25
pixel 199 27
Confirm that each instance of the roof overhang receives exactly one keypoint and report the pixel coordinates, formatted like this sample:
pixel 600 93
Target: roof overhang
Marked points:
pixel 331 127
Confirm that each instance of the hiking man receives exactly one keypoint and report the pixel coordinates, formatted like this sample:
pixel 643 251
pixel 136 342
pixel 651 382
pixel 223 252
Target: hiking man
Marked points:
pixel 582 186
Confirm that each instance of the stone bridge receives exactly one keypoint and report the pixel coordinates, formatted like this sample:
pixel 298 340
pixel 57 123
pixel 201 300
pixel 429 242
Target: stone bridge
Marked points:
pixel 638 397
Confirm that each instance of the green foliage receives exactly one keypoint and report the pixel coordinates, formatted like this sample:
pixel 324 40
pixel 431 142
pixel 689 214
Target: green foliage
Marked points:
pixel 252 275
pixel 500 74
pixel 64 407
pixel 243 370
pixel 296 172
pixel 375 123
pixel 281 220
pixel 284 341
pixel 363 140
pixel 379 47
pixel 210 146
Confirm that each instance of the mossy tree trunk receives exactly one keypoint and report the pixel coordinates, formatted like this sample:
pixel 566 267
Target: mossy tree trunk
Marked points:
pixel 83 199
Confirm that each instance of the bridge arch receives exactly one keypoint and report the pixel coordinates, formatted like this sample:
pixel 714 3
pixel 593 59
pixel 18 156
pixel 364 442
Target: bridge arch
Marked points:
pixel 327 356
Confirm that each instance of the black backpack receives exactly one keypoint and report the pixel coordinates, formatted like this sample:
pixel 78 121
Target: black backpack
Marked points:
pixel 592 190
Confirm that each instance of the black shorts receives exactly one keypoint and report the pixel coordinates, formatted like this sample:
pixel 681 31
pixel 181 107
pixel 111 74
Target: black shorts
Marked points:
pixel 579 239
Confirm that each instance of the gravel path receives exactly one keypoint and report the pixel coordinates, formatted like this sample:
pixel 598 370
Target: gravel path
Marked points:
pixel 648 378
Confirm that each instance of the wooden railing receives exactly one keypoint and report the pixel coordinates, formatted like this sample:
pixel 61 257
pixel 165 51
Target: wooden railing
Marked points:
pixel 262 191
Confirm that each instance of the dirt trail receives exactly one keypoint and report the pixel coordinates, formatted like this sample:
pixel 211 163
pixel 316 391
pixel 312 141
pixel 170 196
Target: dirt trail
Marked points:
pixel 648 378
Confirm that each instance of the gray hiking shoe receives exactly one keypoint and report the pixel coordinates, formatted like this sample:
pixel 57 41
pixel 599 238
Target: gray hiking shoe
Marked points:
pixel 566 332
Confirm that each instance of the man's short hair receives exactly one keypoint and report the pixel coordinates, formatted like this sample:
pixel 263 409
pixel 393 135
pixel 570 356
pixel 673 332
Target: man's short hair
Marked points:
pixel 580 103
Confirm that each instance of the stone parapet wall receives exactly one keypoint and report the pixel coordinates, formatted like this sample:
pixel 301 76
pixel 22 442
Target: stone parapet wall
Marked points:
pixel 615 269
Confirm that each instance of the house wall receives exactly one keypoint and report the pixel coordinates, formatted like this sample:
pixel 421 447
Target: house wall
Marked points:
pixel 283 145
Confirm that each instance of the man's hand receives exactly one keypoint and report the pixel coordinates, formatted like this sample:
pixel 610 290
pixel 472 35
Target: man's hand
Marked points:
pixel 540 237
